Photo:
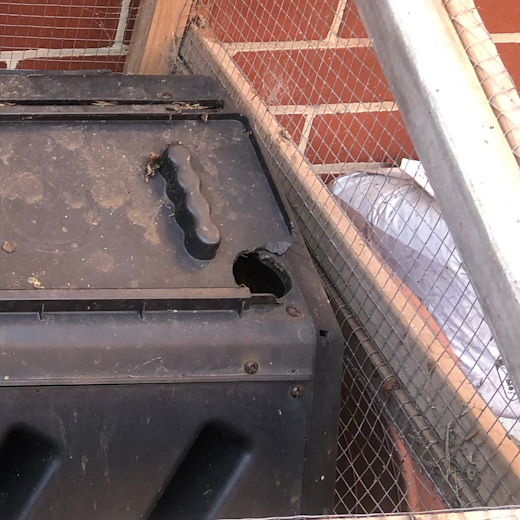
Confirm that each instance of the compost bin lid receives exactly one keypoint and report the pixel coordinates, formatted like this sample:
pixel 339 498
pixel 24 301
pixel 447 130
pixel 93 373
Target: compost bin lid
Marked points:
pixel 78 213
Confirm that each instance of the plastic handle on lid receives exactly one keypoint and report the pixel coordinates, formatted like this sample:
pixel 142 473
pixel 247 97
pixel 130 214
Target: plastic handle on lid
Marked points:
pixel 192 210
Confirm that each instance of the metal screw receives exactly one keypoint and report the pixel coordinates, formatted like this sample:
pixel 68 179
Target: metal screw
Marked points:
pixel 251 367
pixel 292 311
pixel 166 95
pixel 296 391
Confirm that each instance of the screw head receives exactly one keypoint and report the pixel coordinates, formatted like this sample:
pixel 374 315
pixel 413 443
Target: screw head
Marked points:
pixel 251 367
pixel 292 311
pixel 296 391
pixel 166 95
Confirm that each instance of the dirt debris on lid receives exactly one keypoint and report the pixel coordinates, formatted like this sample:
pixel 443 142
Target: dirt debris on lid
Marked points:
pixel 35 282
pixel 152 166
pixel 9 247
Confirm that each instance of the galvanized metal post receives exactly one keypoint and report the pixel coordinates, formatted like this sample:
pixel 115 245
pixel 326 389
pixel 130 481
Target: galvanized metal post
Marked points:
pixel 466 156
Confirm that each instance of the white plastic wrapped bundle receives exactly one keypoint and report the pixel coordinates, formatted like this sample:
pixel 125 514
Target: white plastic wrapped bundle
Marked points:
pixel 404 225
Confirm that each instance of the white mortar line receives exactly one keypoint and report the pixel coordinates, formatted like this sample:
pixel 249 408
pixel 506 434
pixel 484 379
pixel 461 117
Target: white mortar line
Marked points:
pixel 12 58
pixel 123 20
pixel 506 38
pixel 334 108
pixel 337 43
pixel 338 18
pixel 347 168
pixel 306 132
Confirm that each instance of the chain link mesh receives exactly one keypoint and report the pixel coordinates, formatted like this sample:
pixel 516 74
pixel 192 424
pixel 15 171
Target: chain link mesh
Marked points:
pixel 429 415
pixel 65 34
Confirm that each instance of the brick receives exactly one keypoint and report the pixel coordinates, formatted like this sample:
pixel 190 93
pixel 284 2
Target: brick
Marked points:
pixel 3 65
pixel 510 54
pixel 113 63
pixel 351 24
pixel 315 76
pixel 293 124
pixel 500 16
pixel 362 137
pixel 271 20
pixel 31 24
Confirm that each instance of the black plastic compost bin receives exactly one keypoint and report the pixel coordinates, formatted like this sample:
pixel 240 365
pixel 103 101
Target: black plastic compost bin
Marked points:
pixel 166 348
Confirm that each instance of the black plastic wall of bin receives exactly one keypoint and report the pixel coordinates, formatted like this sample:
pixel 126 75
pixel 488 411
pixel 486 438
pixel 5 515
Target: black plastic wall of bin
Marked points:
pixel 241 428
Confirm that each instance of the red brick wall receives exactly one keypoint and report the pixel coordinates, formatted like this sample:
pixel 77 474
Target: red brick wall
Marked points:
pixel 312 63
pixel 65 34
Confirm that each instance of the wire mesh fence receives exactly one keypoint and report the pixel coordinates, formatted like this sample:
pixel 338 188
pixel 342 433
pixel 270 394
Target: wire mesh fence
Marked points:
pixel 377 469
pixel 429 414
pixel 429 417
pixel 65 34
